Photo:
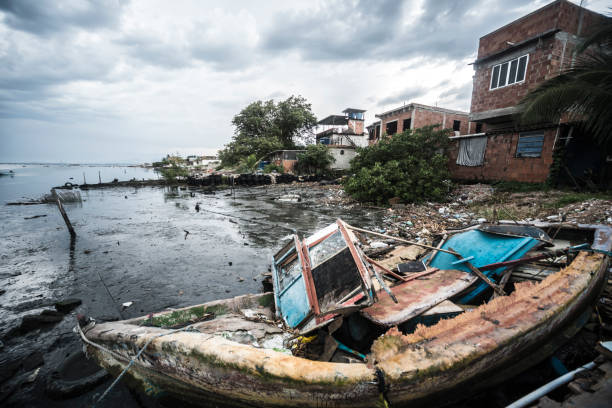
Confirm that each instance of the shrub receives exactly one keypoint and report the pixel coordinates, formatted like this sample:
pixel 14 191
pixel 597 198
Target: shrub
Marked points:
pixel 271 167
pixel 172 173
pixel 247 164
pixel 315 160
pixel 410 165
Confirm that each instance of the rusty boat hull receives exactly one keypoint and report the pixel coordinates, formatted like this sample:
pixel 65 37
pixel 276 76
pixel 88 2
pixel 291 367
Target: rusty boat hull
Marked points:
pixel 440 363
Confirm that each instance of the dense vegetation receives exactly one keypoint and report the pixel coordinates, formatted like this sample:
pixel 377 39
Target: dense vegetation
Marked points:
pixel 410 165
pixel 315 160
pixel 263 127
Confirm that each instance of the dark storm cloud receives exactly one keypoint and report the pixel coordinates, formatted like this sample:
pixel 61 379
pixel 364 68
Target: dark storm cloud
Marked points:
pixel 339 30
pixel 43 17
pixel 28 73
pixel 383 30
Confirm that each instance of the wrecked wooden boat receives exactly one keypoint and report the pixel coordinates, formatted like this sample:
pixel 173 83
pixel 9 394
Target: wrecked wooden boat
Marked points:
pixel 250 351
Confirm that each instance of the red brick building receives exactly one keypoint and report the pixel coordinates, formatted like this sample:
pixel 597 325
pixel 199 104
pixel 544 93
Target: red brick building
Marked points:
pixel 415 115
pixel 512 61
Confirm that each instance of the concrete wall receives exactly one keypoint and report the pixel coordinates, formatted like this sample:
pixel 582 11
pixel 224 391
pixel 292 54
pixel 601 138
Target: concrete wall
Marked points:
pixel 343 157
pixel 501 163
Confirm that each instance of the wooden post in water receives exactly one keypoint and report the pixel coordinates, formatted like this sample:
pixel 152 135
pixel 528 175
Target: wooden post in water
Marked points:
pixel 65 216
pixel 99 178
pixel 84 182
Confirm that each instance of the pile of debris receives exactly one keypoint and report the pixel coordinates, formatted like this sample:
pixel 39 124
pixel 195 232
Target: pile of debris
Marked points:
pixel 589 212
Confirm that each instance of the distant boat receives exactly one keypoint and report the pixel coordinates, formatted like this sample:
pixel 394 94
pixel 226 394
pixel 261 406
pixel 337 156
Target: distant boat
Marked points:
pixel 276 349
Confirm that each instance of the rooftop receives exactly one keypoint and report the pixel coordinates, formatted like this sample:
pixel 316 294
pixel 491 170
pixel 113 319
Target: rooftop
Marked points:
pixel 351 110
pixel 412 106
pixel 333 120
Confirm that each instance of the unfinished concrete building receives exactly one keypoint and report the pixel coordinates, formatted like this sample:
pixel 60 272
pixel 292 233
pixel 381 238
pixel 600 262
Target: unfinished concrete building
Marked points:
pixel 416 115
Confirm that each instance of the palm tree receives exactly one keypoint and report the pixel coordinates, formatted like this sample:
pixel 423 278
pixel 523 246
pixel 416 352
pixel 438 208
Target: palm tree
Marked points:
pixel 582 93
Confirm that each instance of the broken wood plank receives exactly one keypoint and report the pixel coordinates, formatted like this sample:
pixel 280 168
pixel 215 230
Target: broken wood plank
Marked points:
pixel 481 275
pixel 523 260
pixel 65 217
pixel 383 284
pixel 503 281
pixel 435 252
pixel 385 270
pixel 398 239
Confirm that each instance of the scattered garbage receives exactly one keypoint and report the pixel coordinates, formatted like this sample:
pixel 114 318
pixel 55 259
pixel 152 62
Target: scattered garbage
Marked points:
pixel 378 244
pixel 290 198
pixel 125 305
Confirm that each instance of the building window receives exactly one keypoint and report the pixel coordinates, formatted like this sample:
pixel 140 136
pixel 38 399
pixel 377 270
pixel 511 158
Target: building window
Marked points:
pixel 391 128
pixel 406 124
pixel 456 125
pixel 530 144
pixel 478 127
pixel 509 72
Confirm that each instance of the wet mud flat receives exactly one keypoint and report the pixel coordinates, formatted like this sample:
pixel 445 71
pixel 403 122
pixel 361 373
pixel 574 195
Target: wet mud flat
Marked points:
pixel 150 249
pixel 148 246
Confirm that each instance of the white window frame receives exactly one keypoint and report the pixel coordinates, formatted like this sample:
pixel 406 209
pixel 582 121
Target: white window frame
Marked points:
pixel 509 62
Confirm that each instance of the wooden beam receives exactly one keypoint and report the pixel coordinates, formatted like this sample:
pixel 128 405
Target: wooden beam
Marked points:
pixel 398 239
pixel 481 275
pixel 65 217
pixel 435 252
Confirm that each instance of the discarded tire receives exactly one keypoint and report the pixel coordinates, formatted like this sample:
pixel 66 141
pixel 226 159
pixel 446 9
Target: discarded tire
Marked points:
pixel 76 376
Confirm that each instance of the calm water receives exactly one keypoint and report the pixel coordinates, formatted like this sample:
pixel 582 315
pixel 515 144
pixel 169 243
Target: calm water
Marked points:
pixel 132 246
pixel 34 180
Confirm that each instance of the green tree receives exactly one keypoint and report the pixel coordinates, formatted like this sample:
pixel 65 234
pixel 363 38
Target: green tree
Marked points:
pixel 263 127
pixel 582 93
pixel 410 165
pixel 315 160
pixel 294 121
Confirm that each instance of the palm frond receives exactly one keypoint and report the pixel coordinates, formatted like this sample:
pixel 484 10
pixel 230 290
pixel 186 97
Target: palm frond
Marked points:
pixel 601 37
pixel 582 93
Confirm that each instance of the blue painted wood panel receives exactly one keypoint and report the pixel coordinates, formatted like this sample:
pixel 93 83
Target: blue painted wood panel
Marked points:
pixel 294 303
pixel 290 289
pixel 486 249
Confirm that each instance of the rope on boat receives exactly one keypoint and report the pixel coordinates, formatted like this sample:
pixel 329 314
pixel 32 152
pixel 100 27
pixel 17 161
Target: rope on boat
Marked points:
pixel 120 357
pixel 382 387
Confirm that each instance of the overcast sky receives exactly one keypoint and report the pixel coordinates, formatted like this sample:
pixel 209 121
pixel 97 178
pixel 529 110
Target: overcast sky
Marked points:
pixel 129 81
